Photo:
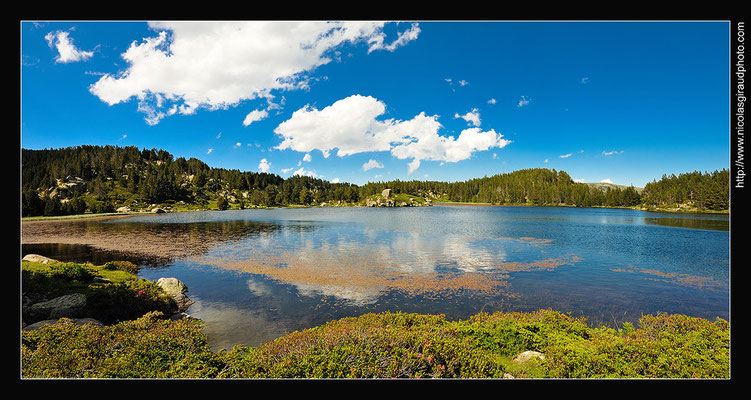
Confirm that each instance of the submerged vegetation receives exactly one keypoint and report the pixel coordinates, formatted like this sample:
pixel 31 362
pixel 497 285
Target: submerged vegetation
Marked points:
pixel 102 179
pixel 147 344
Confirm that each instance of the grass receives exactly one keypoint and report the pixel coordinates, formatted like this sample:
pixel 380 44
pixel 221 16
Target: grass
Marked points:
pixel 377 345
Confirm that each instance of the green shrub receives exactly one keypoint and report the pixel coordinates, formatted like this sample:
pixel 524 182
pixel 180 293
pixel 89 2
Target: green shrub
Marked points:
pixel 126 266
pixel 128 300
pixel 149 347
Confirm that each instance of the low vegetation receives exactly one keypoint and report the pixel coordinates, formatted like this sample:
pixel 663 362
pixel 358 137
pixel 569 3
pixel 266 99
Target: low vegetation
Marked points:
pixel 113 292
pixel 384 345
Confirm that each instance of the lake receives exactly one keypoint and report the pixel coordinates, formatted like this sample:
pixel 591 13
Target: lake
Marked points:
pixel 257 274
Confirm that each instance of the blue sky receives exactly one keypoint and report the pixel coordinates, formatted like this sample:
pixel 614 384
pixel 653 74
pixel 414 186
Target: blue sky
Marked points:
pixel 359 101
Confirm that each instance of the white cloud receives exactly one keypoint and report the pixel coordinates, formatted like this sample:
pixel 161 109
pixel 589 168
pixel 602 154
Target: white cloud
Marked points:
pixel 264 165
pixel 413 166
pixel 286 170
pixel 566 155
pixel 463 83
pixel 307 158
pixel 376 42
pixel 472 117
pixel 210 151
pixel 610 153
pixel 523 102
pixel 303 172
pixel 67 52
pixel 216 65
pixel 335 180
pixel 255 115
pixel 491 101
pixel 606 181
pixel 580 180
pixel 349 125
pixel 237 145
pixel 585 80
pixel 371 164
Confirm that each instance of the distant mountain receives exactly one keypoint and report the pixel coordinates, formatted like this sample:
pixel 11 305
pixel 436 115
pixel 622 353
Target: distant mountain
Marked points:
pixel 605 186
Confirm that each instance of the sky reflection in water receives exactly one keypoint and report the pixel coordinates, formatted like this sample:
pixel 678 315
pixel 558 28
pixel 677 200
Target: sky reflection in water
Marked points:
pixel 256 274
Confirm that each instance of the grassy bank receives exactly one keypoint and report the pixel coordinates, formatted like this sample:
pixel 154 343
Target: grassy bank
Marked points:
pixel 384 345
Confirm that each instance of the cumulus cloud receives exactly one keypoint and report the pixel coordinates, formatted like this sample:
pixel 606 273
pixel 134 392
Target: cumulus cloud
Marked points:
pixel 67 51
pixel 255 115
pixel 349 126
pixel 307 158
pixel 606 181
pixel 472 117
pixel 264 165
pixel 303 172
pixel 335 180
pixel 523 102
pixel 371 164
pixel 216 65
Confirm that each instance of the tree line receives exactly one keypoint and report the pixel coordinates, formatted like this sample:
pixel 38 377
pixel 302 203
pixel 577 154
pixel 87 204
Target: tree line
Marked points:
pixel 115 176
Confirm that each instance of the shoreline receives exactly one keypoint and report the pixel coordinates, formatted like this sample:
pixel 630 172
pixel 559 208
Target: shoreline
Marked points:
pixel 107 216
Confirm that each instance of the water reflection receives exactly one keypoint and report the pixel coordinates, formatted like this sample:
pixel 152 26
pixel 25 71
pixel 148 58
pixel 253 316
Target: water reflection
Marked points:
pixel 256 274
pixel 715 224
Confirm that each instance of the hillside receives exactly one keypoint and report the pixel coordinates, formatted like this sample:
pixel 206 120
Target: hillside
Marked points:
pixel 605 186
pixel 96 179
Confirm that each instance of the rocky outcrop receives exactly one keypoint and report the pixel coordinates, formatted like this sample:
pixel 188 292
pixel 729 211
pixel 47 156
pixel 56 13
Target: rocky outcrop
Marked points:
pixel 386 200
pixel 38 258
pixel 68 306
pixel 176 289
pixel 64 187
pixel 528 355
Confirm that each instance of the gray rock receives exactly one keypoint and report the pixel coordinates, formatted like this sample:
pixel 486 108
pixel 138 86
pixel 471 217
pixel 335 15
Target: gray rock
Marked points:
pixel 158 210
pixel 69 306
pixel 386 192
pixel 38 258
pixel 176 289
pixel 528 355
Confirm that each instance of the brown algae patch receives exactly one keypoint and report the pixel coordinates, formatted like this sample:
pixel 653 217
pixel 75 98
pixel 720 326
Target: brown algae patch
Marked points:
pixel 695 281
pixel 364 277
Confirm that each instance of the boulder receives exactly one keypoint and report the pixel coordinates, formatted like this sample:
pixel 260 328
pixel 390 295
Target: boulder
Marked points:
pixel 176 289
pixel 158 210
pixel 123 209
pixel 68 306
pixel 38 258
pixel 386 192
pixel 528 355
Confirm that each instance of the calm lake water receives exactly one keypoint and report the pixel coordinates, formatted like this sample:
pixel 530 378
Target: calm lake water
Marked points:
pixel 257 274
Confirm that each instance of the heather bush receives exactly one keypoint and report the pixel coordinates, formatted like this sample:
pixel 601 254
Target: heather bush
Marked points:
pixel 126 266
